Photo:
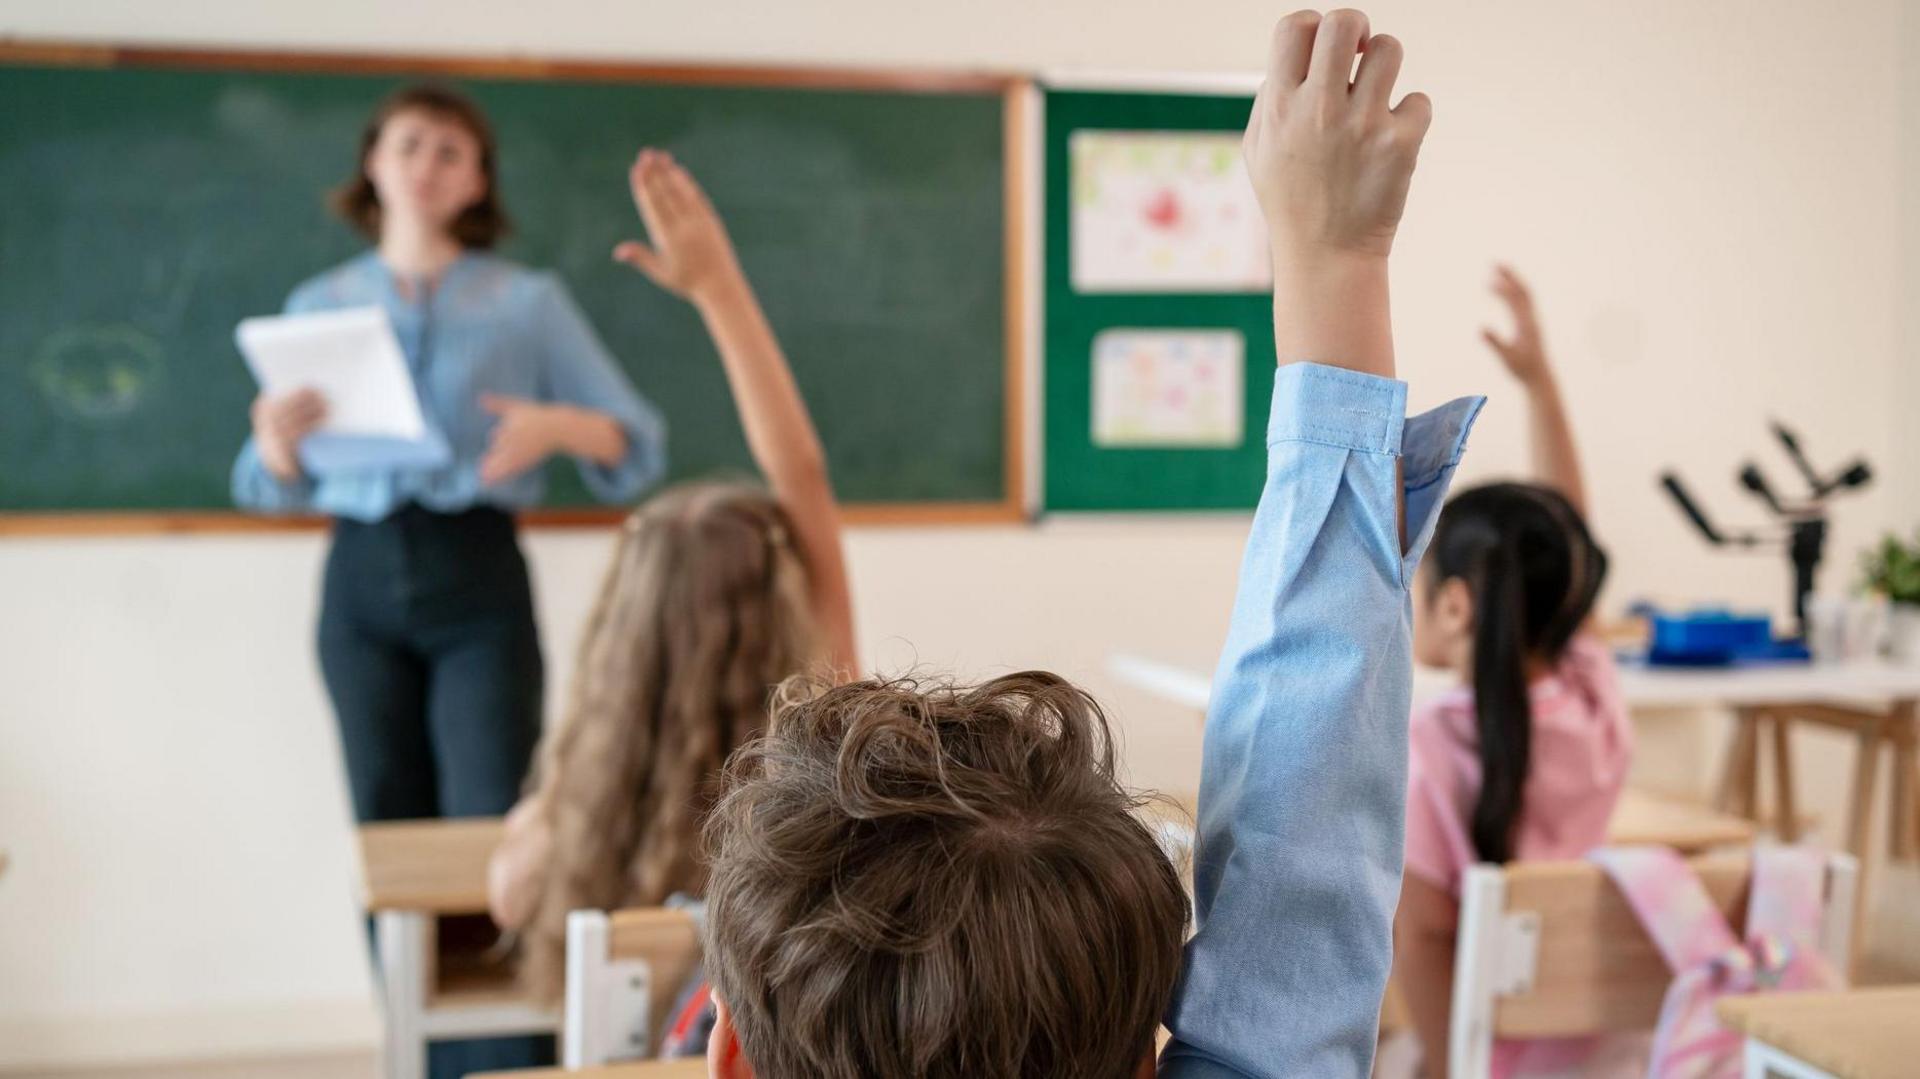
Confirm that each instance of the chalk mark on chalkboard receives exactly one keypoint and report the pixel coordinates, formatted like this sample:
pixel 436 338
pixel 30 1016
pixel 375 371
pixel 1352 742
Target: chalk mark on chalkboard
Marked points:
pixel 174 304
pixel 101 374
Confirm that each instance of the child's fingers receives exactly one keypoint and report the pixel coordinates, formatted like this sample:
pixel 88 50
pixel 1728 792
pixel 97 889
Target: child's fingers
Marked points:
pixel 1379 67
pixel 673 181
pixel 639 256
pixel 688 189
pixel 674 187
pixel 644 164
pixel 1517 286
pixel 1292 49
pixel 1508 286
pixel 660 189
pixel 1416 111
pixel 643 178
pixel 1334 46
pixel 656 209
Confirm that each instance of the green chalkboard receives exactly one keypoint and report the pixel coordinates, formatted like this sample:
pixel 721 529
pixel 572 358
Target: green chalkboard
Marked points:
pixel 1080 474
pixel 146 210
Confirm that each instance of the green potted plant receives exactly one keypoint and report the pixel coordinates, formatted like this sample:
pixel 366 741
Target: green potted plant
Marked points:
pixel 1893 570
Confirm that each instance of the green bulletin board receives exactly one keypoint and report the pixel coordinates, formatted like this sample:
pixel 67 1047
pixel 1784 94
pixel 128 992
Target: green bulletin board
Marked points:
pixel 1080 473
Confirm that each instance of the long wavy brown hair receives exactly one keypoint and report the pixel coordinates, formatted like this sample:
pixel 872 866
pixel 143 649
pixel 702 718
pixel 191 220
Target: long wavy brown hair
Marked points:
pixel 703 612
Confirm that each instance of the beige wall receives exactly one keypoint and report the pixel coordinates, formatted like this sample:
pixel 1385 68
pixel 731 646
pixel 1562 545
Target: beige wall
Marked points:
pixel 1705 194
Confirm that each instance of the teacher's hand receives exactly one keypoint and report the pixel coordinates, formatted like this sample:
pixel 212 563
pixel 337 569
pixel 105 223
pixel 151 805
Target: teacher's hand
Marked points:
pixel 279 423
pixel 528 432
pixel 691 254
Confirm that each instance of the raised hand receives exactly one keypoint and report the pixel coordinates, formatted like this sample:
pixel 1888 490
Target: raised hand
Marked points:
pixel 1331 158
pixel 1523 352
pixel 1556 459
pixel 691 255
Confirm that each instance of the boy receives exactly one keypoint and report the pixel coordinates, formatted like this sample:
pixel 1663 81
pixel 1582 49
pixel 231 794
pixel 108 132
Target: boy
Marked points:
pixel 914 881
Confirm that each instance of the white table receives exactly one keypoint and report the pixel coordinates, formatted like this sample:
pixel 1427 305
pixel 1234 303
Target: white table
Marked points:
pixel 1874 701
pixel 1643 686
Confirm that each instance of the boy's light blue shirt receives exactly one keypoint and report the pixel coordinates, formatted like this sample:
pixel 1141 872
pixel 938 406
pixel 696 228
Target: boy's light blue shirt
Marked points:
pixel 1303 775
pixel 490 326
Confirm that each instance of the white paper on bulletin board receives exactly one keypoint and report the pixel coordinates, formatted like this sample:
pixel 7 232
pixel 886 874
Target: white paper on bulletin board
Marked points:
pixel 1168 388
pixel 1164 211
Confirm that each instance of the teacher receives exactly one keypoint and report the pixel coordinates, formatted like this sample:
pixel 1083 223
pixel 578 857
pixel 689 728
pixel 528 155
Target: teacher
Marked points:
pixel 427 637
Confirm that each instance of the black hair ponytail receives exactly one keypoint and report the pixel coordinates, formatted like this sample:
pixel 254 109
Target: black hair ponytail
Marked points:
pixel 1534 571
pixel 1502 714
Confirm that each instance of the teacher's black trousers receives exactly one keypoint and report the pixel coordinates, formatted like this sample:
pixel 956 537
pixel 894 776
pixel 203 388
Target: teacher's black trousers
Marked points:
pixel 432 659
pixel 429 650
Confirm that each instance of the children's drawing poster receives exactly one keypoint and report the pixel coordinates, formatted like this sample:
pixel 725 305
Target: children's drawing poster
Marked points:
pixel 1164 211
pixel 1168 388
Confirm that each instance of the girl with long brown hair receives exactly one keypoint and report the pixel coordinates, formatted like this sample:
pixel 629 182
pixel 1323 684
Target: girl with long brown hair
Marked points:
pixel 717 592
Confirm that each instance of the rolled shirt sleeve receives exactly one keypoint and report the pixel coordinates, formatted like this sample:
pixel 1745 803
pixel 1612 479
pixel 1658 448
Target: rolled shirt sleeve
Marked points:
pixel 1303 776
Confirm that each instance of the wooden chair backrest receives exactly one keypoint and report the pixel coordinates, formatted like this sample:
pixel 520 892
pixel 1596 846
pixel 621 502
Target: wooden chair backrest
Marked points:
pixel 667 939
pixel 1598 971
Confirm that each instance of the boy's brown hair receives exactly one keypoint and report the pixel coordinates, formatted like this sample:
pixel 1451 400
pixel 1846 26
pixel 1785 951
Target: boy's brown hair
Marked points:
pixel 944 881
pixel 480 225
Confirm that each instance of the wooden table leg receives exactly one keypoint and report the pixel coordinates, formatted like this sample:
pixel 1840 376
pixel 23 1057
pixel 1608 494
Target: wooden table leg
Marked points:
pixel 1866 769
pixel 1786 816
pixel 1738 777
pixel 1904 739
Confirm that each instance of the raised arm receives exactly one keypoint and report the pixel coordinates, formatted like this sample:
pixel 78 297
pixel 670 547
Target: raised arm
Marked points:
pixel 692 257
pixel 1556 463
pixel 1303 776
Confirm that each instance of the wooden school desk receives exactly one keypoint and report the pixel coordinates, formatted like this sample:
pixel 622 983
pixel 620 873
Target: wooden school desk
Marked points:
pixel 1875 702
pixel 1859 1034
pixel 694 1068
pixel 412 872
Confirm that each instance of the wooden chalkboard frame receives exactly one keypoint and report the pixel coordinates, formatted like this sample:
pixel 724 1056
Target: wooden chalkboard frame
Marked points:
pixel 1016 96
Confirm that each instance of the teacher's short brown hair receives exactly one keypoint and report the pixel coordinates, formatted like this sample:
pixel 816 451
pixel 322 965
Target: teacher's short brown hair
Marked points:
pixel 480 225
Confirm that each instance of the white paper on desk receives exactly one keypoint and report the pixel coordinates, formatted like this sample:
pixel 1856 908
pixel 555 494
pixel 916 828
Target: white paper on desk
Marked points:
pixel 353 359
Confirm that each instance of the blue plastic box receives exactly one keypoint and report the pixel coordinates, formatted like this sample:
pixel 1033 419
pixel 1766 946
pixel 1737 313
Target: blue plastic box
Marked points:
pixel 1708 637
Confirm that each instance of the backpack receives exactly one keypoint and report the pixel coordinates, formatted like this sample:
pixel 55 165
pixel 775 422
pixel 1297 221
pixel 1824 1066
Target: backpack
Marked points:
pixel 1781 952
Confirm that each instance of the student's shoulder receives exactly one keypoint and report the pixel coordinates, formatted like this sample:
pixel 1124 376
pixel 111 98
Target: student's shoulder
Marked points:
pixel 1442 736
pixel 1445 718
pixel 1589 669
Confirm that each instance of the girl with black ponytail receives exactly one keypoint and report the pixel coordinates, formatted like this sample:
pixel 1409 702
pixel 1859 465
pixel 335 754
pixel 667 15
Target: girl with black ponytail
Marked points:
pixel 1527 758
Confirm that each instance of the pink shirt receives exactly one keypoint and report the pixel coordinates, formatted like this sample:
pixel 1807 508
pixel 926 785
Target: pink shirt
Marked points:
pixel 1582 744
